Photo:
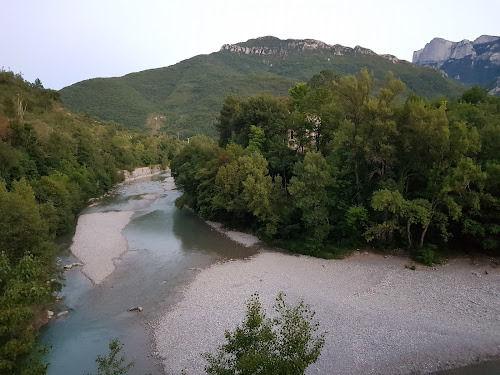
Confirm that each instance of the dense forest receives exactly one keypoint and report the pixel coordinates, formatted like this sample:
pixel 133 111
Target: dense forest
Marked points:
pixel 350 162
pixel 51 163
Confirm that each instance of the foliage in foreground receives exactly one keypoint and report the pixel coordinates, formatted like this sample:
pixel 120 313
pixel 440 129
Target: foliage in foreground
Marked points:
pixel 114 362
pixel 284 345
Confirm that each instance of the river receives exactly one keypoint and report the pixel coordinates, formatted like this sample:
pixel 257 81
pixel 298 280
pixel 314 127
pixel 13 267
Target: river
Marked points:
pixel 167 248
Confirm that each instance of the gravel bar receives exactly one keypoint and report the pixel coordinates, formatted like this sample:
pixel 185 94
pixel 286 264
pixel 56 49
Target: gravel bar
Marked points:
pixel 245 239
pixel 380 317
pixel 98 240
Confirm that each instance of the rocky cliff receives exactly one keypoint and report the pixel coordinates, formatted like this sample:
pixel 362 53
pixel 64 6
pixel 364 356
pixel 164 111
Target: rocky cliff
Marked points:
pixel 269 45
pixel 475 63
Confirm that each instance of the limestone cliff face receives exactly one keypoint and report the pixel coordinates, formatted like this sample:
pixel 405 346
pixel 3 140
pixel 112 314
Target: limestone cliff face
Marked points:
pixel 269 45
pixel 438 50
pixel 476 62
pixel 496 88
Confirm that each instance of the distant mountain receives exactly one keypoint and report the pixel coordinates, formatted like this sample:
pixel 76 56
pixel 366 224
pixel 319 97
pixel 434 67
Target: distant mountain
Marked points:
pixel 185 98
pixel 473 63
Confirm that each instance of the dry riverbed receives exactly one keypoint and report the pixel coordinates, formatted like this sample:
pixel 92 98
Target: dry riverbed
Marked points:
pixel 380 318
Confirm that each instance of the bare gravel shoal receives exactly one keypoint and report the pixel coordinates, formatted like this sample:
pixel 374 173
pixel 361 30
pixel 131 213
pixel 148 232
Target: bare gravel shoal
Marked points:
pixel 380 317
pixel 245 239
pixel 98 240
pixel 169 184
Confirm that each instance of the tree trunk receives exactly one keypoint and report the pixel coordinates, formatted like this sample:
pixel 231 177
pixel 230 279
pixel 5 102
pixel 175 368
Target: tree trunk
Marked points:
pixel 358 185
pixel 423 236
pixel 408 233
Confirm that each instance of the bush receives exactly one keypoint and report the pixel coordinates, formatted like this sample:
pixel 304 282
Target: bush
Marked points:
pixel 427 255
pixel 286 344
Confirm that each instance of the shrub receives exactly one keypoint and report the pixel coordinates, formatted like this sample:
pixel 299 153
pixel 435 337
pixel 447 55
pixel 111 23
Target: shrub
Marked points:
pixel 286 344
pixel 427 255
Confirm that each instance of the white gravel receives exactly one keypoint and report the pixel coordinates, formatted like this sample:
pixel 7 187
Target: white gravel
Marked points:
pixel 98 240
pixel 150 197
pixel 169 184
pixel 381 318
pixel 245 239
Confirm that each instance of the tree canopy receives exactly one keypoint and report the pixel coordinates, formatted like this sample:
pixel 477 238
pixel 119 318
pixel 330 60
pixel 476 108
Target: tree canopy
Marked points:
pixel 351 161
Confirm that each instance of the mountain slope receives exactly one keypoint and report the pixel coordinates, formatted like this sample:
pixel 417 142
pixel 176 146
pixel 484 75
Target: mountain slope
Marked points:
pixel 473 63
pixel 190 93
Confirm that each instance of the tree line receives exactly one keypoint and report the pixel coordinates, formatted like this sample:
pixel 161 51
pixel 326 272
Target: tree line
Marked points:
pixel 51 162
pixel 346 162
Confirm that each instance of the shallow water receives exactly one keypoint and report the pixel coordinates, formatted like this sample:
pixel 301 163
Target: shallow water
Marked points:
pixel 167 246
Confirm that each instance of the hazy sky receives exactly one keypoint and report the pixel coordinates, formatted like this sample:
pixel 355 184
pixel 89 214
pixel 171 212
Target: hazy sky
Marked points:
pixel 66 41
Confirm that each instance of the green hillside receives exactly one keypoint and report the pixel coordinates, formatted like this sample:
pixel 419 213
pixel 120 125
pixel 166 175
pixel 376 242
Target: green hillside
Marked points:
pixel 190 93
pixel 52 162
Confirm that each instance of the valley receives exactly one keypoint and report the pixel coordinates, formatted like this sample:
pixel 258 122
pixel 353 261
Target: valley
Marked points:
pixel 150 207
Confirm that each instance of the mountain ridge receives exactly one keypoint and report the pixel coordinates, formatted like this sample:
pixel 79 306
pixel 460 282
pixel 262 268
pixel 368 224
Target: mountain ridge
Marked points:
pixel 260 46
pixel 189 94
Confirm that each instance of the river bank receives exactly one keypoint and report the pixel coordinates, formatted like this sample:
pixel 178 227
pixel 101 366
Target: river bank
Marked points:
pixel 143 172
pixel 166 248
pixel 98 239
pixel 245 239
pixel 381 318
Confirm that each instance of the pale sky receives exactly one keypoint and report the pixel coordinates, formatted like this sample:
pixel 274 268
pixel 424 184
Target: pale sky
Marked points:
pixel 66 41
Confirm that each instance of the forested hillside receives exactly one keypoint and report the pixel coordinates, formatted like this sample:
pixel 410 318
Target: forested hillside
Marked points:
pixel 51 162
pixel 340 164
pixel 186 96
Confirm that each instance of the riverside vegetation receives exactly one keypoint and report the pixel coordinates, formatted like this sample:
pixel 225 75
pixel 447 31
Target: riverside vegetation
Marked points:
pixel 349 162
pixel 51 162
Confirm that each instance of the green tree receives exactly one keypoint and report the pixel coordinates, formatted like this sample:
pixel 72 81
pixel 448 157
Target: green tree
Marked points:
pixel 284 345
pixel 309 191
pixel 227 114
pixel 475 95
pixel 256 137
pixel 195 170
pixel 259 192
pixel 22 228
pixel 114 362
pixel 23 291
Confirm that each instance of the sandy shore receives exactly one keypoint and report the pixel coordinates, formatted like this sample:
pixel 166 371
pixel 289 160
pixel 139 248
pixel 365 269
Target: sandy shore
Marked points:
pixel 244 239
pixel 169 184
pixel 143 172
pixel 98 240
pixel 380 317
